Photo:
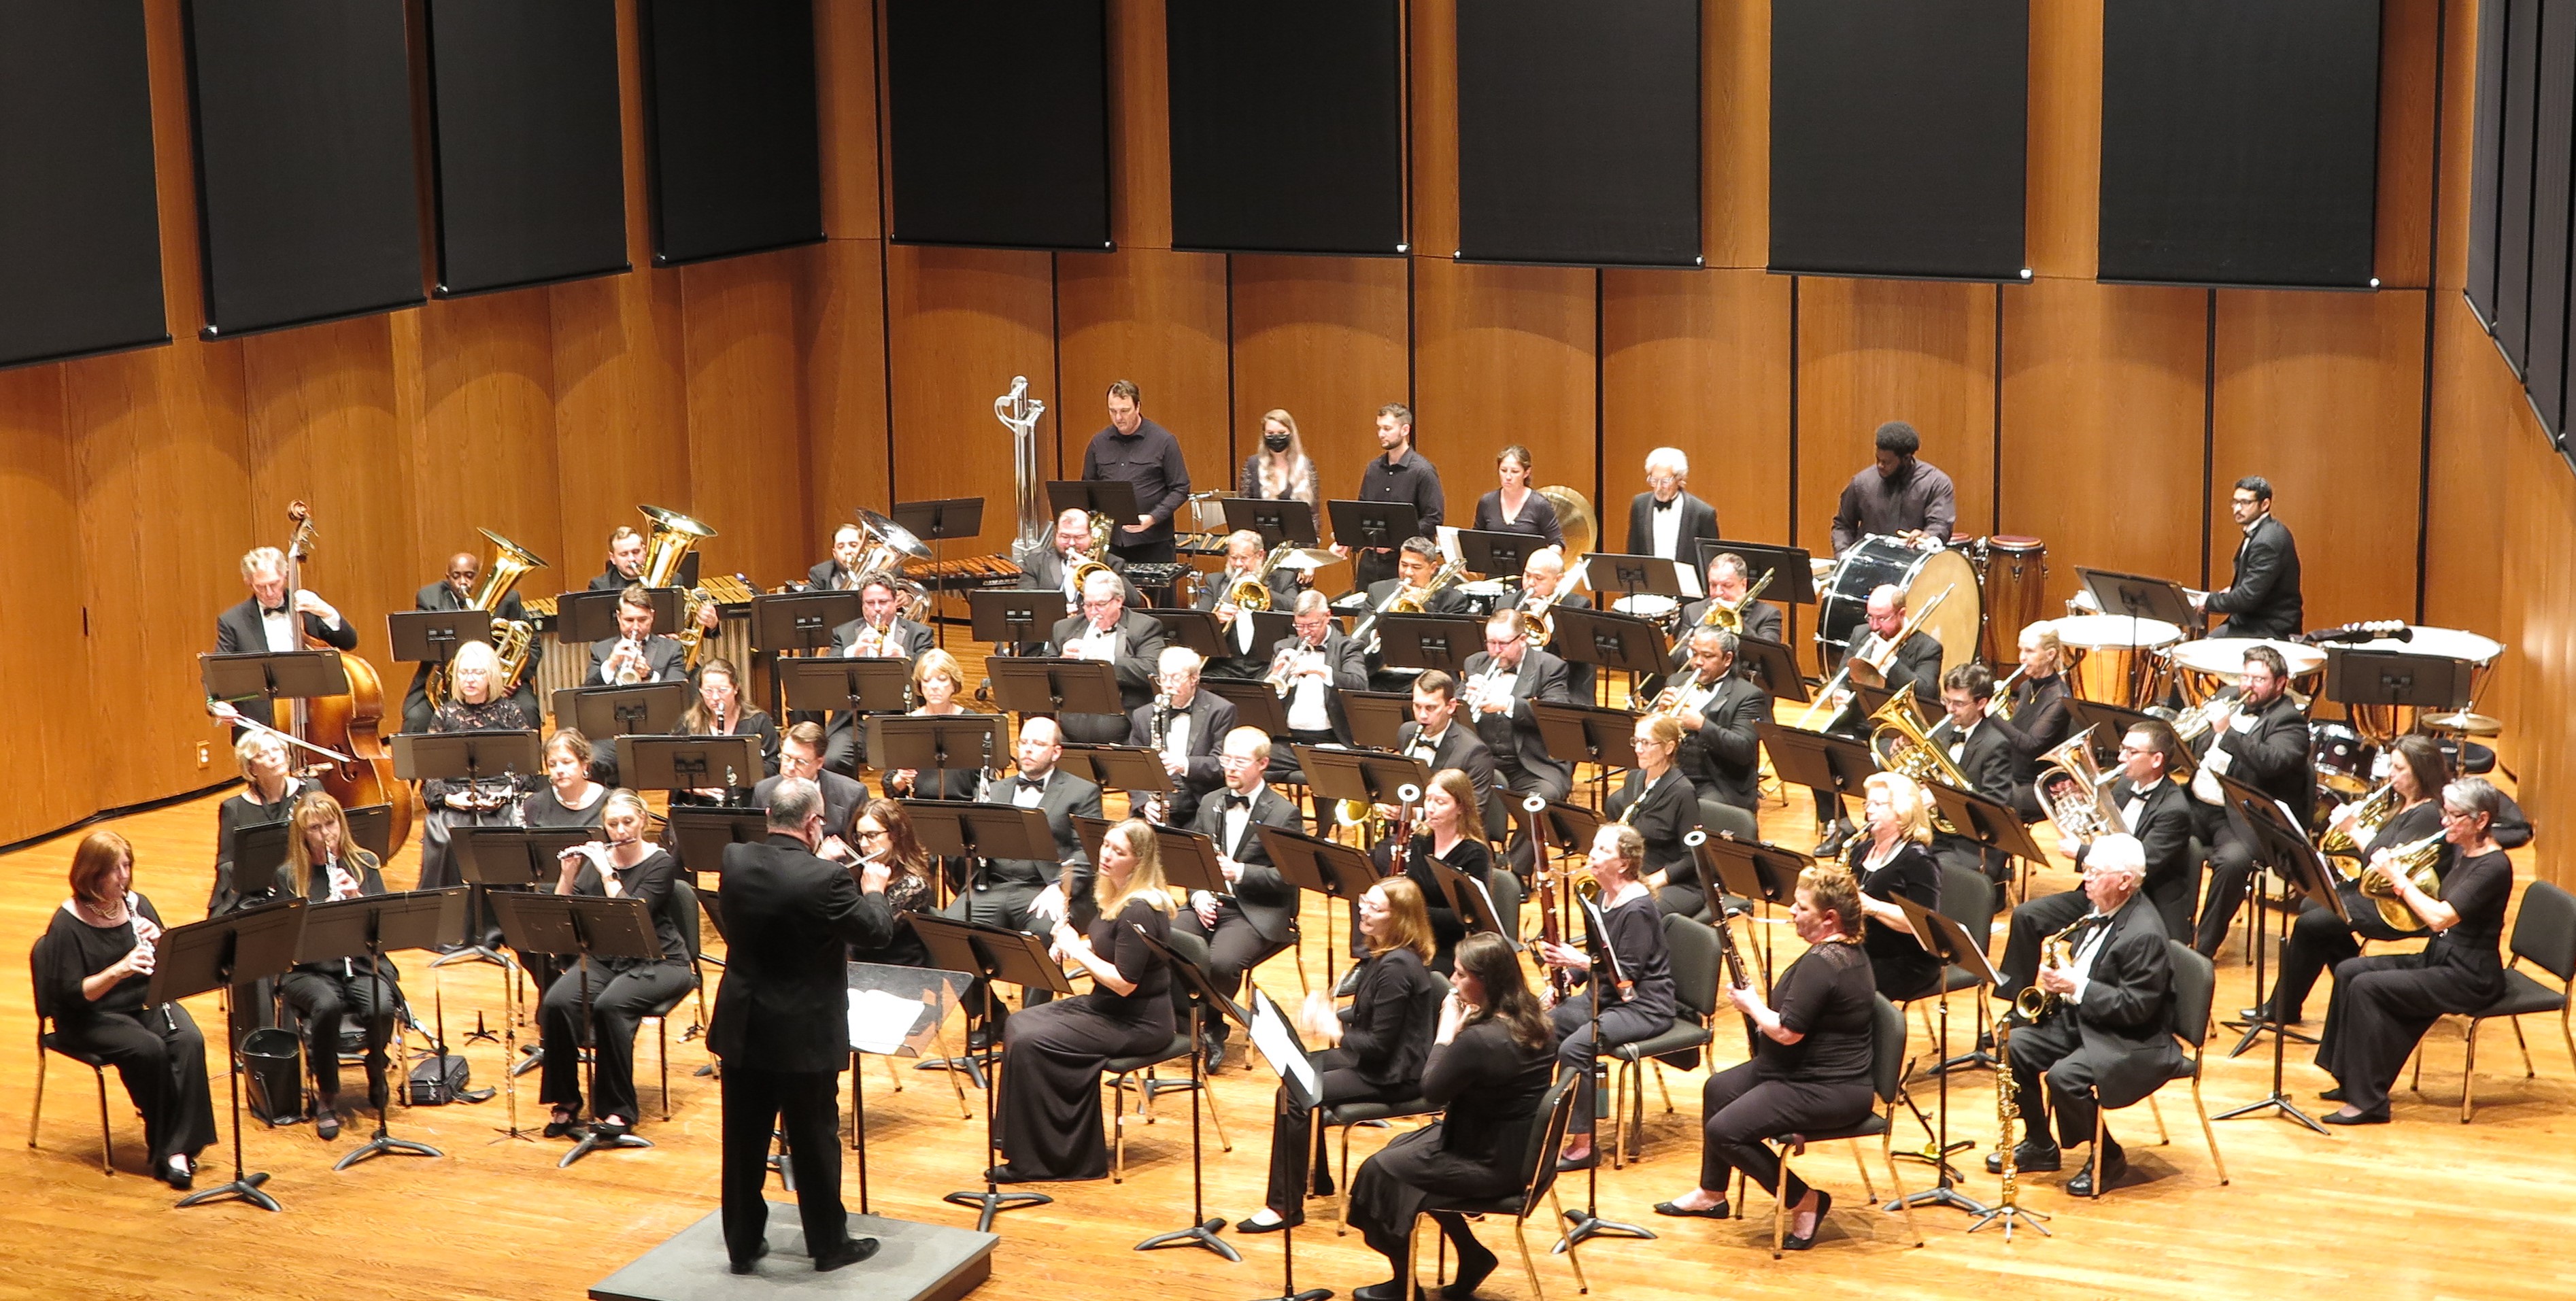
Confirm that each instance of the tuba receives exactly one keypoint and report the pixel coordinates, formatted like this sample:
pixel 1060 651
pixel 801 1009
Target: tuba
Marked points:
pixel 666 544
pixel 2071 787
pixel 2418 861
pixel 512 639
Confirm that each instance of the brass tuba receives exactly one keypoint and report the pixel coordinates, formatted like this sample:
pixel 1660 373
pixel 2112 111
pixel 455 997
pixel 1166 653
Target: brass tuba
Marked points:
pixel 512 639
pixel 2071 789
pixel 666 544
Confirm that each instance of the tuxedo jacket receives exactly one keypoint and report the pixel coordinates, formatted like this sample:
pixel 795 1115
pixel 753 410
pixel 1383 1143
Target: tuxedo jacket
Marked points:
pixel 2263 598
pixel 1250 664
pixel 1514 736
pixel 1579 676
pixel 1448 600
pixel 1724 757
pixel 1699 520
pixel 663 660
pixel 790 920
pixel 819 578
pixel 1264 897
pixel 1044 570
pixel 1065 798
pixel 609 580
pixel 1986 760
pixel 2126 1017
pixel 238 631
pixel 1349 673
pixel 1462 749
pixel 1211 717
pixel 2164 826
pixel 2272 756
pixel 1140 644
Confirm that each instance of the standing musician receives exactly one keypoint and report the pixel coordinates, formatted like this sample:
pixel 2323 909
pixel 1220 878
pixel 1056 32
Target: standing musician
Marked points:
pixel 1256 918
pixel 1916 667
pixel 1129 641
pixel 2157 812
pixel 1502 680
pixel 626 569
pixel 880 632
pixel 1311 667
pixel 1490 1064
pixel 1728 580
pixel 2382 1005
pixel 1625 971
pixel 269 791
pixel 1280 468
pixel 2319 939
pixel 1187 726
pixel 1379 1043
pixel 1447 830
pixel 719 711
pixel 1658 800
pixel 636 653
pixel 839 572
pixel 570 798
pixel 1981 753
pixel 938 682
pixel 1029 894
pixel 1812 1057
pixel 1051 569
pixel 324 863
pixel 1894 861
pixel 261 624
pixel 1437 736
pixel 622 991
pixel 893 873
pixel 781 1027
pixel 1721 750
pixel 1900 495
pixel 1243 556
pixel 1400 474
pixel 800 754
pixel 2105 1039
pixel 1515 507
pixel 484 802
pixel 1542 583
pixel 1669 521
pixel 1133 449
pixel 2262 600
pixel 2263 742
pixel 454 593
pixel 1052 1055
pixel 1416 562
pixel 2033 716
pixel 93 967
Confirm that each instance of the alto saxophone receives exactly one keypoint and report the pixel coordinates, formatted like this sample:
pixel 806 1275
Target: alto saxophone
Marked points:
pixel 2055 951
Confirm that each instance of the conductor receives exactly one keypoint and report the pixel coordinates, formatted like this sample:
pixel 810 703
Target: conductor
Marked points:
pixel 781 1026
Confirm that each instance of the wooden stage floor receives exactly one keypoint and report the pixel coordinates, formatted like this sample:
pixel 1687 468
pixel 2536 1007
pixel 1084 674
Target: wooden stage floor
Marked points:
pixel 2421 1208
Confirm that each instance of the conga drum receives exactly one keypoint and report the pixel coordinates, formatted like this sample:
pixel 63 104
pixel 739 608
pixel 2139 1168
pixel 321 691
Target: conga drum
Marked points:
pixel 2016 592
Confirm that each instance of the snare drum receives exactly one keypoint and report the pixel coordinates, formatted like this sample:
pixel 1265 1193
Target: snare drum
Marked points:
pixel 1482 594
pixel 2016 590
pixel 1842 604
pixel 2115 659
pixel 2206 667
pixel 2342 760
pixel 1647 605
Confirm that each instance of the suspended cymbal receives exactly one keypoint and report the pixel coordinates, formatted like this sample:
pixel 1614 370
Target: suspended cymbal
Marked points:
pixel 893 534
pixel 2463 722
pixel 1308 558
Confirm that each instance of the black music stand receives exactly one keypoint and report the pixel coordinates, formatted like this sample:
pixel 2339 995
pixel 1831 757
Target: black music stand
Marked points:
pixel 468 757
pixel 2390 679
pixel 1988 821
pixel 1012 617
pixel 1004 957
pixel 610 711
pixel 1604 971
pixel 1196 629
pixel 1944 940
pixel 2281 844
pixel 2138 597
pixel 1627 575
pixel 1130 768
pixel 689 762
pixel 1792 569
pixel 1206 999
pixel 1276 1039
pixel 1276 519
pixel 273 676
pixel 238 948
pixel 585 617
pixel 434 636
pixel 839 683
pixel 585 927
pixel 1371 777
pixel 2107 722
pixel 1755 871
pixel 1373 525
pixel 1255 704
pixel 1569 827
pixel 1612 640
pixel 1590 734
pixel 701 833
pixel 1430 641
pixel 1497 555
pixel 796 623
pixel 1376 718
pixel 1031 686
pixel 1327 866
pixel 1115 498
pixel 936 522
pixel 929 743
pixel 1772 666
pixel 877 1026
pixel 1473 903
pixel 1816 760
pixel 515 859
pixel 368 927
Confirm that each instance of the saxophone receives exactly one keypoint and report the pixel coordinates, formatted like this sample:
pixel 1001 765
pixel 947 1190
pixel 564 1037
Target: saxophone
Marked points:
pixel 2056 951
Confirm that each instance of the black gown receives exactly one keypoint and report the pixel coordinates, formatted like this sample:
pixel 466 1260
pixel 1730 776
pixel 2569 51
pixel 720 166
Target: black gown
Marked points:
pixel 1491 1085
pixel 157 1051
pixel 2382 1005
pixel 623 991
pixel 1052 1054
pixel 1386 1034
pixel 1903 967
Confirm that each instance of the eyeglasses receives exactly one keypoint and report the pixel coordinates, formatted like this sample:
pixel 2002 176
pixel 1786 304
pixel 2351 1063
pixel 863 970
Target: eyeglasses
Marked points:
pixel 2456 815
pixel 878 834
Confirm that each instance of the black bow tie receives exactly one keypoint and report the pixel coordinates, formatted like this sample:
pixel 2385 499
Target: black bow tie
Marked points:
pixel 1666 505
pixel 1031 783
pixel 1234 801
pixel 266 612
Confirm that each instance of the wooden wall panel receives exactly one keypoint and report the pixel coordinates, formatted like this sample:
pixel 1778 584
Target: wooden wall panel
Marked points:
pixel 1699 361
pixel 845 59
pixel 1157 318
pixel 1328 340
pixel 2408 32
pixel 841 337
pixel 54 758
pixel 1735 132
pixel 2477 410
pixel 483 442
pixel 961 323
pixel 1506 354
pixel 2104 399
pixel 746 414
pixel 2323 395
pixel 1432 99
pixel 1870 351
pixel 621 410
pixel 1140 126
pixel 2065 138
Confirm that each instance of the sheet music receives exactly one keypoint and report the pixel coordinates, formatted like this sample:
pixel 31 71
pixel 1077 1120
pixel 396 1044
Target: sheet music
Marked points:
pixel 1597 931
pixel 880 1022
pixel 1279 1045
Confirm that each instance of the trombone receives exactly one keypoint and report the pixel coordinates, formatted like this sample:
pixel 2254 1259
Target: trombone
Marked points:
pixel 1880 663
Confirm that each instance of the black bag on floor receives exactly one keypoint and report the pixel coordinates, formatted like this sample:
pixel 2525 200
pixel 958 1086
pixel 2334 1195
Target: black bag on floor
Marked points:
pixel 437 1081
pixel 273 1066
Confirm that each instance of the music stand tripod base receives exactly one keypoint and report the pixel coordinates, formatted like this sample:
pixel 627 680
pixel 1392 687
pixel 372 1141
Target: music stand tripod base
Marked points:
pixel 592 1140
pixel 1587 1225
pixel 244 1188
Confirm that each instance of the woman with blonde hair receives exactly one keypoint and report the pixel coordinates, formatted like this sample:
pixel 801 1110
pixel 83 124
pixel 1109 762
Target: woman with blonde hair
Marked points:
pixel 268 794
pixel 1892 859
pixel 939 683
pixel 1279 468
pixel 620 991
pixel 324 864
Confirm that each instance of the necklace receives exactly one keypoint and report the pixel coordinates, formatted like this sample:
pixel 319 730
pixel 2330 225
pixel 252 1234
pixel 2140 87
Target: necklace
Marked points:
pixel 89 910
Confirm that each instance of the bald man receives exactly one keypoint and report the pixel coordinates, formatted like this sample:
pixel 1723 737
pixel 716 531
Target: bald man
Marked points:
pixel 456 592
pixel 1915 667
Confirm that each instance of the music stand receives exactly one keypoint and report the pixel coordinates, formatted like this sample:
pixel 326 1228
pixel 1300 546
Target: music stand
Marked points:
pixel 880 1022
pixel 2139 596
pixel 1792 569
pixel 1364 775
pixel 1430 641
pixel 2281 844
pixel 1276 519
pixel 468 757
pixel 998 956
pixel 1014 616
pixel 604 712
pixel 1772 666
pixel 1196 629
pixel 1255 704
pixel 368 927
pixel 701 833
pixel 1497 554
pixel 1988 821
pixel 585 617
pixel 928 743
pixel 1373 525
pixel 507 859
pixel 259 850
pixel 1376 718
pixel 1755 871
pixel 688 762
pixel 840 683
pixel 1611 640
pixel 1628 575
pixel 1587 734
pixel 936 522
pixel 238 948
pixel 273 676
pixel 800 621
pixel 1130 768
pixel 1953 946
pixel 433 636
pixel 1031 685
pixel 2390 679
pixel 2107 722
pixel 1115 498
pixel 1471 901
pixel 1570 827
pixel 1328 867
pixel 1206 998
pixel 1276 1039
pixel 585 927
pixel 1816 760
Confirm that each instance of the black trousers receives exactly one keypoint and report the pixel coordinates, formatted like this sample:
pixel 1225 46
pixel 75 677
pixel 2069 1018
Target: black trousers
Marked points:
pixel 1292 1134
pixel 619 1000
pixel 1743 1109
pixel 161 1056
pixel 2381 1006
pixel 2320 941
pixel 1575 1050
pixel 1235 947
pixel 2050 1051
pixel 804 1105
pixel 2231 873
pixel 327 998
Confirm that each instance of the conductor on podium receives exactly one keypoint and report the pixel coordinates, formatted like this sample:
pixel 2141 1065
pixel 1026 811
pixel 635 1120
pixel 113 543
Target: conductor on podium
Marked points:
pixel 782 1026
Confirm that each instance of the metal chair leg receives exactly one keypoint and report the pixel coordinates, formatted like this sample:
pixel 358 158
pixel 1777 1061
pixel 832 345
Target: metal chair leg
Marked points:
pixel 661 1040
pixel 1520 1235
pixel 1863 1166
pixel 2469 1074
pixel 106 1133
pixel 1573 1252
pixel 1780 1205
pixel 1342 1190
pixel 1618 1118
pixel 38 1117
pixel 1118 1130
pixel 2524 1045
pixel 2163 1138
pixel 1663 1088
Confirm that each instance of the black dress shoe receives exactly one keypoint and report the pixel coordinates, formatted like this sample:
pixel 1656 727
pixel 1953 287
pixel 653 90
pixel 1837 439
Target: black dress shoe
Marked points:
pixel 2032 1157
pixel 1004 1174
pixel 1792 1242
pixel 1250 1225
pixel 326 1126
pixel 744 1266
pixel 1836 836
pixel 1568 1164
pixel 561 1128
pixel 850 1252
pixel 2334 1094
pixel 181 1177
pixel 2103 1169
pixel 979 1039
pixel 1391 1290
pixel 2374 1116
pixel 1717 1212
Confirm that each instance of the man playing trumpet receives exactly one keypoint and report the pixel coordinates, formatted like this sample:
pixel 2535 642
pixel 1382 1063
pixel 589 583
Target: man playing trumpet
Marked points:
pixel 635 654
pixel 880 632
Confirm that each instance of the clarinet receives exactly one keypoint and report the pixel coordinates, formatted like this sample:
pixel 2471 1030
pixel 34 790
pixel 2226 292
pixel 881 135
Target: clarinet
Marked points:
pixel 1157 732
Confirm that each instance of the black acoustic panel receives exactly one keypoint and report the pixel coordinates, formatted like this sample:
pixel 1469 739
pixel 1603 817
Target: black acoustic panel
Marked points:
pixel 999 122
pixel 2555 99
pixel 2513 184
pixel 1287 126
pixel 2240 142
pixel 308 205
pixel 526 146
pixel 730 112
pixel 1899 137
pixel 1578 132
pixel 2487 143
pixel 80 236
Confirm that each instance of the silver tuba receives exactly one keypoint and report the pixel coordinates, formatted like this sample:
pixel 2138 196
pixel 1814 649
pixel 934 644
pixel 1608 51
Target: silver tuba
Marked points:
pixel 2074 792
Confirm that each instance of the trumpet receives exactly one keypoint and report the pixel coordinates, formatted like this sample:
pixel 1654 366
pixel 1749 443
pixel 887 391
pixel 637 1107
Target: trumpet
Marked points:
pixel 1481 686
pixel 1281 679
pixel 629 658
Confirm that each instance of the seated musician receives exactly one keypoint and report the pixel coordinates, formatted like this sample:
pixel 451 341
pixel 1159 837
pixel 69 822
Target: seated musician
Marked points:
pixel 1438 736
pixel 800 754
pixel 1502 680
pixel 1256 918
pixel 1721 750
pixel 2262 741
pixel 1446 828
pixel 1516 507
pixel 636 653
pixel 485 801
pixel 625 562
pixel 1310 668
pixel 569 798
pixel 1899 495
pixel 1068 548
pixel 2105 1039
pixel 456 592
pixel 2157 814
pixel 1667 519
pixel 1982 754
pixel 1377 1046
pixel 1187 725
pixel 93 967
pixel 1489 1067
pixel 268 794
pixel 893 872
pixel 2319 940
pixel 622 991
pixel 1728 580
pixel 1243 556
pixel 1032 894
pixel 1657 799
pixel 839 572
pixel 1129 641
pixel 1626 972
pixel 1893 860
pixel 2033 716
pixel 880 632
pixel 324 863
pixel 940 685
pixel 1052 1055
pixel 2383 1004
pixel 263 623
pixel 1415 564
pixel 1913 666
pixel 719 711
pixel 1542 589
pixel 1811 1066
pixel 2261 598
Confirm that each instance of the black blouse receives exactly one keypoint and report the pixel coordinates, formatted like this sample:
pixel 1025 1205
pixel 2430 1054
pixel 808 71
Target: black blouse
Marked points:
pixel 649 880
pixel 1667 813
pixel 903 894
pixel 72 951
pixel 2039 722
pixel 501 715
pixel 2478 887
pixel 1490 1085
pixel 1537 518
pixel 547 809
pixel 1905 968
pixel 371 881
pixel 1114 939
pixel 1635 930
pixel 1826 996
pixel 1387 1028
pixel 238 814
pixel 1469 857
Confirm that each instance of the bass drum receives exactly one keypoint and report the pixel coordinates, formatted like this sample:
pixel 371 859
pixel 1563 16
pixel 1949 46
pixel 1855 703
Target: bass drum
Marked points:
pixel 1842 603
pixel 2016 590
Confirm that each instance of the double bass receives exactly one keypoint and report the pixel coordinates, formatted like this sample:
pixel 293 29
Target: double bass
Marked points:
pixel 349 724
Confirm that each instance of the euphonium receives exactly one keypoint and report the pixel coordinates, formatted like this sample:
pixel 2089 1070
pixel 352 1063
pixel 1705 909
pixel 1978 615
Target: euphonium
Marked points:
pixel 1254 593
pixel 2418 861
pixel 666 544
pixel 1903 743
pixel 2055 951
pixel 2370 816
pixel 2071 786
pixel 512 639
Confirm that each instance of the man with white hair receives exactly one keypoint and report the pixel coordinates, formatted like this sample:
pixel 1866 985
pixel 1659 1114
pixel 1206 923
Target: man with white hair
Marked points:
pixel 274 619
pixel 2104 1039
pixel 1666 520
pixel 1186 725
pixel 1130 641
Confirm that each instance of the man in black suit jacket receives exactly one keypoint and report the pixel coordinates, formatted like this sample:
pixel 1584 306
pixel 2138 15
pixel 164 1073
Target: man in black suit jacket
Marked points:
pixel 2156 811
pixel 1721 746
pixel 1240 657
pixel 636 649
pixel 1916 668
pixel 2263 743
pixel 1129 641
pixel 1666 520
pixel 1982 754
pixel 1499 708
pixel 782 1026
pixel 800 754
pixel 839 572
pixel 1326 663
pixel 625 562
pixel 1727 584
pixel 1542 588
pixel 1033 894
pixel 1416 562
pixel 1437 736
pixel 1051 568
pixel 2107 1039
pixel 878 633
pixel 453 593
pixel 1257 916
pixel 1195 725
pixel 2263 598
pixel 264 623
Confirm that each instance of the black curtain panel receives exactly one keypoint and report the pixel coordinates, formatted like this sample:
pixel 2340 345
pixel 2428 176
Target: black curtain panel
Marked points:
pixel 730 115
pixel 999 122
pixel 526 147
pixel 2487 149
pixel 2513 182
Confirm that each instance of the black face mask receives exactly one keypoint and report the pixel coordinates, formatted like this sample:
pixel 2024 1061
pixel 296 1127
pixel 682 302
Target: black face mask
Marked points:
pixel 1275 442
